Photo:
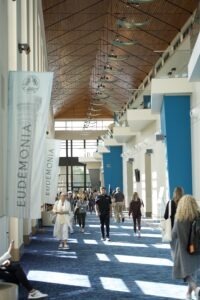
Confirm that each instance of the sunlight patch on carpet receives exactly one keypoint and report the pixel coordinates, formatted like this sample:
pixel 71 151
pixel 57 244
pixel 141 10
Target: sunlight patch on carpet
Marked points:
pixel 91 242
pixel 144 260
pixel 157 289
pixel 102 257
pixel 114 284
pixel 124 244
pixel 59 278
pixel 161 246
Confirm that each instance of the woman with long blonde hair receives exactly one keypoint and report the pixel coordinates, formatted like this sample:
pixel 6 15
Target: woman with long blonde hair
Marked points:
pixel 81 207
pixel 185 265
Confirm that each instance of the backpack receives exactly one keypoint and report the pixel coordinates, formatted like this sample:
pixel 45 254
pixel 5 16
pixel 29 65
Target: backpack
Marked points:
pixel 194 237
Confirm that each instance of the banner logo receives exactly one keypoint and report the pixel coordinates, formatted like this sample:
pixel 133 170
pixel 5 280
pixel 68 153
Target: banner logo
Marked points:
pixel 31 84
pixel 29 98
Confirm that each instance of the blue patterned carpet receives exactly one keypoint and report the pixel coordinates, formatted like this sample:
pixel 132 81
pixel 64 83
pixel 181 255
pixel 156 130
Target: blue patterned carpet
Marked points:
pixel 127 267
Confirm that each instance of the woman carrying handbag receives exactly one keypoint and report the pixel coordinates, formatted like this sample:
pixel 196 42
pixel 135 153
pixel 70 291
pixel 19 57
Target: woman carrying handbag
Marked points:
pixel 177 194
pixel 185 265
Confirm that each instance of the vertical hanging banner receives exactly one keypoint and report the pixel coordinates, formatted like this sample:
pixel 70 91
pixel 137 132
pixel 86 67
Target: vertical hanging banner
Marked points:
pixel 50 186
pixel 28 106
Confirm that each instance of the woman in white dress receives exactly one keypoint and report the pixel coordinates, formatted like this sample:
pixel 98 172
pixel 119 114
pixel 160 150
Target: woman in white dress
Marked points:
pixel 62 209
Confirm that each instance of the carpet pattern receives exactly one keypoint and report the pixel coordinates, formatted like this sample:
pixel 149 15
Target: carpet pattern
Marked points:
pixel 127 267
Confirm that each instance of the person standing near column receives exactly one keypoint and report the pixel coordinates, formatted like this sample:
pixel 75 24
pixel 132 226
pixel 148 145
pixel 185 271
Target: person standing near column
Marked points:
pixel 135 210
pixel 103 207
pixel 118 205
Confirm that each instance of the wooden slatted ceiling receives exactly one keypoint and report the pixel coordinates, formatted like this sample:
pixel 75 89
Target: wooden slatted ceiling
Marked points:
pixel 79 35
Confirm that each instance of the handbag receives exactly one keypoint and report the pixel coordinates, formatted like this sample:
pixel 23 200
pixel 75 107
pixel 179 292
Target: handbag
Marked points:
pixel 53 218
pixel 194 238
pixel 142 208
pixel 166 227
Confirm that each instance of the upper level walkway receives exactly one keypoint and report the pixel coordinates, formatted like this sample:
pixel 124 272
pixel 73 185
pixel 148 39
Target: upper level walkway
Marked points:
pixel 127 267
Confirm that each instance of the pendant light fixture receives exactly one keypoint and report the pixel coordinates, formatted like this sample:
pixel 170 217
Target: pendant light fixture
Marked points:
pixel 107 78
pixel 123 23
pixel 138 2
pixel 118 42
pixel 101 95
pixel 115 57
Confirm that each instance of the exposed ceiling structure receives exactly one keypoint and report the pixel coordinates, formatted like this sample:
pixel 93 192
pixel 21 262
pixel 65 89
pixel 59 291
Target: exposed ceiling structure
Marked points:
pixel 101 50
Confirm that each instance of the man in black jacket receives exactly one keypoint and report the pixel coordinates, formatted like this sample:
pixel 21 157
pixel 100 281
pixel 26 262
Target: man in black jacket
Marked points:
pixel 103 207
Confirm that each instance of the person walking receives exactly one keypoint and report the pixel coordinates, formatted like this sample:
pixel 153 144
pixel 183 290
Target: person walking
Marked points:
pixel 91 202
pixel 81 207
pixel 12 272
pixel 185 265
pixel 103 207
pixel 177 194
pixel 135 210
pixel 62 209
pixel 71 219
pixel 118 206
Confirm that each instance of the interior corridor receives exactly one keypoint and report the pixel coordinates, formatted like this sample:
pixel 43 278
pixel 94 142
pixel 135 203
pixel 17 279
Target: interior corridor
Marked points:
pixel 127 267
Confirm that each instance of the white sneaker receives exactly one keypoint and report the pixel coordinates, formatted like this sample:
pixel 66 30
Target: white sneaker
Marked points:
pixel 60 246
pixel 108 239
pixel 188 297
pixel 66 247
pixel 103 239
pixel 37 295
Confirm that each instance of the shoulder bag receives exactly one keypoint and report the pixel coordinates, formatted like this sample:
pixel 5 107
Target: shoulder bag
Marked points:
pixel 166 226
pixel 194 238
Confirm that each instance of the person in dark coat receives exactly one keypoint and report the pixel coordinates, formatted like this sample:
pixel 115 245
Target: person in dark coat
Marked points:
pixel 103 207
pixel 135 210
pixel 185 265
pixel 177 194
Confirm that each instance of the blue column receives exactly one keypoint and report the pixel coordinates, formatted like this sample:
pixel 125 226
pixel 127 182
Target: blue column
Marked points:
pixel 112 164
pixel 175 124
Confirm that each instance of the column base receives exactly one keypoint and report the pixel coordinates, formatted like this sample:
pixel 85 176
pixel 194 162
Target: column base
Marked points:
pixel 17 253
pixel 148 214
pixel 34 230
pixel 26 239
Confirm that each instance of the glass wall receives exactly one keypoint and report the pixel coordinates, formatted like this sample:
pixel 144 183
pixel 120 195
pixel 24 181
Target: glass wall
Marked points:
pixel 76 176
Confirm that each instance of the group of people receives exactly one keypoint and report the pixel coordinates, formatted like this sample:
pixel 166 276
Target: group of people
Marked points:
pixel 69 210
pixel 183 210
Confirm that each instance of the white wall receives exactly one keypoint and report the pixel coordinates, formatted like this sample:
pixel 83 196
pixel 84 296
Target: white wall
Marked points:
pixel 3 127
pixel 136 149
pixel 195 141
pixel 20 22
pixel 3 102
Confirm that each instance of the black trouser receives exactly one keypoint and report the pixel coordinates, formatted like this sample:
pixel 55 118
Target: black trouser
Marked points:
pixel 15 274
pixel 81 219
pixel 105 221
pixel 138 222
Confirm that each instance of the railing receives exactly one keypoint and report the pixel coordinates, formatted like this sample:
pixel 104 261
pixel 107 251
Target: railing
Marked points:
pixel 195 28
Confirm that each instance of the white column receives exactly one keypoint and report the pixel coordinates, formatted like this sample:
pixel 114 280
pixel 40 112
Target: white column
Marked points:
pixel 148 185
pixel 129 182
pixel 30 34
pixel 23 33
